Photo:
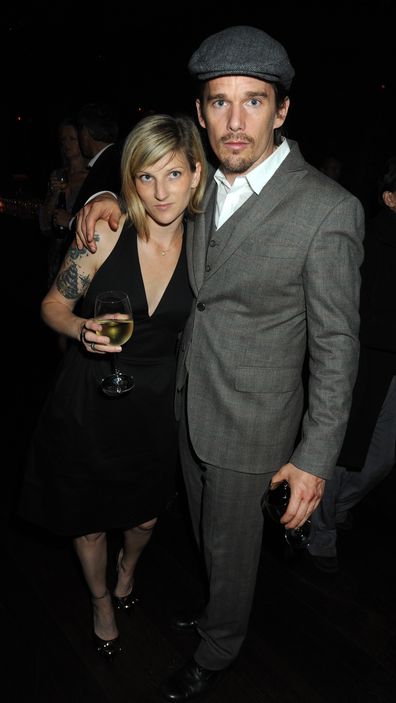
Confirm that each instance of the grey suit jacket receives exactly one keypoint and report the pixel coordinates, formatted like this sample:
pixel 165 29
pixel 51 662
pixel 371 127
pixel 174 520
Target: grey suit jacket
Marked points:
pixel 279 278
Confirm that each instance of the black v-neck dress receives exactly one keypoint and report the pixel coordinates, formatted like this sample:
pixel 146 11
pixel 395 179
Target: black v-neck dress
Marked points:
pixel 97 463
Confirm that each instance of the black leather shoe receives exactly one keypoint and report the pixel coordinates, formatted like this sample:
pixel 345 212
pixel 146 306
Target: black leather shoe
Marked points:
pixel 185 624
pixel 191 681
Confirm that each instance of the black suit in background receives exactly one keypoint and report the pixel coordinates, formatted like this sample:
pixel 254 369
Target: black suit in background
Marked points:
pixel 377 364
pixel 105 174
pixel 369 444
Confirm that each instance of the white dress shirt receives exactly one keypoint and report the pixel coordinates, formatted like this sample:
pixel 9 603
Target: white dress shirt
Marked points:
pixel 95 158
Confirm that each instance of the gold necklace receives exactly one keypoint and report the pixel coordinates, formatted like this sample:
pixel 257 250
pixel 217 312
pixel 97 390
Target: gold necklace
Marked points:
pixel 163 252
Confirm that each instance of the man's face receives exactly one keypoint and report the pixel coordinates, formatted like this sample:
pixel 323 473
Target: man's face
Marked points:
pixel 240 116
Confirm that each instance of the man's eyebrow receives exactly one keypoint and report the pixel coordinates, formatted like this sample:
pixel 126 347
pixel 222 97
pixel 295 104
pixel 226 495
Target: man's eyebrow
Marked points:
pixel 247 94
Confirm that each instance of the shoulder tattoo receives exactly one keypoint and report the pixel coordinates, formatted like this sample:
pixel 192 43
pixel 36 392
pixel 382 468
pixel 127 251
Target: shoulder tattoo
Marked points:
pixel 71 282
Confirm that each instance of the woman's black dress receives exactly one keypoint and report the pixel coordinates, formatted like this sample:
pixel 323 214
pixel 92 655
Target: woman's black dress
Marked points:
pixel 97 463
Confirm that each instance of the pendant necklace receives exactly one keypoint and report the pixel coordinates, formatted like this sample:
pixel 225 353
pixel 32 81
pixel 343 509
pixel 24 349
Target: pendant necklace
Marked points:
pixel 163 252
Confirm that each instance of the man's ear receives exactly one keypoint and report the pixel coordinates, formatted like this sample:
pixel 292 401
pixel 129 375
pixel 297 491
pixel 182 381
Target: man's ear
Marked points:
pixel 389 199
pixel 199 113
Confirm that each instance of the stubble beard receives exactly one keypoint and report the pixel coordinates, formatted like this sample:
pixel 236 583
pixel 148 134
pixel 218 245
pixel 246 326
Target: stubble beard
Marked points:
pixel 236 166
pixel 235 162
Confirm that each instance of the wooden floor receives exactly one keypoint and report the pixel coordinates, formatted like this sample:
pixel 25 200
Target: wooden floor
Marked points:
pixel 313 638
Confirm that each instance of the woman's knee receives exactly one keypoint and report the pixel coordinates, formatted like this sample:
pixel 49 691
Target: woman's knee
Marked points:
pixel 146 526
pixel 92 538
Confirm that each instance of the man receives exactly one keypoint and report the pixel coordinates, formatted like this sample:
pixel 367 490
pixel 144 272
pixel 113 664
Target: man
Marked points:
pixel 98 133
pixel 274 264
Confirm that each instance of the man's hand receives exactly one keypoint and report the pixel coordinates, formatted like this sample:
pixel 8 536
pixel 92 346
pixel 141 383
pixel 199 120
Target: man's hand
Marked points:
pixel 102 207
pixel 306 491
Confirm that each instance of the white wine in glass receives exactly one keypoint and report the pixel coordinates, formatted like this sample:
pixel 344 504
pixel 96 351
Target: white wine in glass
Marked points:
pixel 118 330
pixel 113 312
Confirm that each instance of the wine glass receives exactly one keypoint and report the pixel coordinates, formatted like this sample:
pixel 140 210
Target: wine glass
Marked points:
pixel 275 501
pixel 114 313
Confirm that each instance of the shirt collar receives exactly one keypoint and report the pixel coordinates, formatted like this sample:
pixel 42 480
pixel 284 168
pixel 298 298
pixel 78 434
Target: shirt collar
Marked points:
pixel 260 175
pixel 95 158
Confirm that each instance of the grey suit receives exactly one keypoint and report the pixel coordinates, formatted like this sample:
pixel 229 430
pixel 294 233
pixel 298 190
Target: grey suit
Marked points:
pixel 280 277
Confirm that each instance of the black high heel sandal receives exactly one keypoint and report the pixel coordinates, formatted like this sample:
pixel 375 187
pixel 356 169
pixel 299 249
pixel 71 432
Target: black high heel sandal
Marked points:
pixel 125 603
pixel 107 649
pixel 128 602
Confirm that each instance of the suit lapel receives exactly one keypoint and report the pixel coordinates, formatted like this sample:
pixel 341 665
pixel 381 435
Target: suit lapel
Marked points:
pixel 242 223
pixel 256 209
pixel 198 233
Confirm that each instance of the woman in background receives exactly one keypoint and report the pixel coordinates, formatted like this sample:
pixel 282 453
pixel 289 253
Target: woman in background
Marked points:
pixel 68 179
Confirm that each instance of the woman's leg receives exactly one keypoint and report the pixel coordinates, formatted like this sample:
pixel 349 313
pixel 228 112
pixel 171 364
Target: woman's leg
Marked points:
pixel 92 552
pixel 135 540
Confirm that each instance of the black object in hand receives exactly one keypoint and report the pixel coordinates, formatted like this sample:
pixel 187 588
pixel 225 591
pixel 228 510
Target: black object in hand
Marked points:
pixel 275 501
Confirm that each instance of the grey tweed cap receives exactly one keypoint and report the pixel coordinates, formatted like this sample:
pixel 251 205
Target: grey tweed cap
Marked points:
pixel 242 51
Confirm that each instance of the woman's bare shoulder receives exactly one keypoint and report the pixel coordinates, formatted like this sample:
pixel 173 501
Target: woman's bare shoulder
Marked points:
pixel 104 231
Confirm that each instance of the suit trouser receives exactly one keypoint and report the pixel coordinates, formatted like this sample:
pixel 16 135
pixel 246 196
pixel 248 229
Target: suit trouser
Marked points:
pixel 228 524
pixel 349 487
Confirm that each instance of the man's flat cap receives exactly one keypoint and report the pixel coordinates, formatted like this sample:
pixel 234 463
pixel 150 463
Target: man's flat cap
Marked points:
pixel 242 51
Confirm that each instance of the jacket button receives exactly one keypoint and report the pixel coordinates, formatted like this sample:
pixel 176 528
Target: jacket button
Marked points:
pixel 207 267
pixel 212 243
pixel 201 306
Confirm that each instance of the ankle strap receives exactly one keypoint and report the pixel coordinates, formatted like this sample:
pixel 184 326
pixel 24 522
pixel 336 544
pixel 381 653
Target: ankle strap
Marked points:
pixel 106 593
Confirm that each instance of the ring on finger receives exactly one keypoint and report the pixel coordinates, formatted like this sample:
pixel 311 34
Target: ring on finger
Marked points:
pixel 93 347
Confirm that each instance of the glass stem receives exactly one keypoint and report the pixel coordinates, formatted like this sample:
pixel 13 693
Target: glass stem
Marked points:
pixel 113 365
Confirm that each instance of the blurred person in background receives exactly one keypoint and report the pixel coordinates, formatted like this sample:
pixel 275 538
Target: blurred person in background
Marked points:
pixel 98 132
pixel 66 179
pixel 368 453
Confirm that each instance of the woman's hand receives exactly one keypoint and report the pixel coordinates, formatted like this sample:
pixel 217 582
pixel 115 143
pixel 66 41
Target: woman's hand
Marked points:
pixel 55 185
pixel 93 341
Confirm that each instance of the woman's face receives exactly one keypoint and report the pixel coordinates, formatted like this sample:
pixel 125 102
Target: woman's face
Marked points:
pixel 68 142
pixel 165 188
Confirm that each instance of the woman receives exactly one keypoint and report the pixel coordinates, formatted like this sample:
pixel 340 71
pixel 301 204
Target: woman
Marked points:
pixel 98 463
pixel 67 180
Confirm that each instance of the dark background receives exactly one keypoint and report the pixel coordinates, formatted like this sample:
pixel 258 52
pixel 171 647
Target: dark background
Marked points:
pixel 56 57
pixel 313 638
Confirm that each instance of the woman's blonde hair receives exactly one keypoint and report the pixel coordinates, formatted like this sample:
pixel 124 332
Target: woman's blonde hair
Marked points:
pixel 149 141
